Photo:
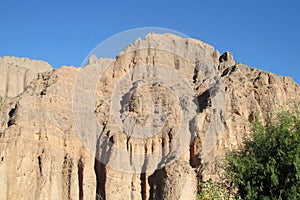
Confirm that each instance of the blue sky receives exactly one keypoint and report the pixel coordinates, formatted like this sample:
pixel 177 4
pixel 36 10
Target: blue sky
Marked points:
pixel 262 34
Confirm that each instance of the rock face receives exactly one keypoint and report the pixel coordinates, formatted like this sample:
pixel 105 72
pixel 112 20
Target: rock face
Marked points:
pixel 17 73
pixel 48 148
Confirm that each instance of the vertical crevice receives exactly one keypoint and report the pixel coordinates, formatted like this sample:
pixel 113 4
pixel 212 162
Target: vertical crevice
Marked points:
pixel 80 178
pixel 100 171
pixel 127 142
pixel 143 185
pixel 156 183
pixel 99 167
pixel 143 176
pixel 12 111
pixel 204 100
pixel 195 156
pixel 199 177
pixel 12 117
pixel 177 64
pixel 67 175
pixel 103 152
pixel 25 79
pixel 40 165
pixel 196 70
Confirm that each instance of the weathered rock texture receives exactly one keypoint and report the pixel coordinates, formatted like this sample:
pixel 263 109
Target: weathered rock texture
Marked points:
pixel 43 157
pixel 17 73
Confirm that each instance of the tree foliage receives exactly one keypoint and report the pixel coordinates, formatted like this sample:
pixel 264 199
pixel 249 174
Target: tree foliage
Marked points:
pixel 268 164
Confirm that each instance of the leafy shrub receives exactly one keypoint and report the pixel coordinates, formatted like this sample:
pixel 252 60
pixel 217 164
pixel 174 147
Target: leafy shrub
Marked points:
pixel 209 191
pixel 216 191
pixel 268 164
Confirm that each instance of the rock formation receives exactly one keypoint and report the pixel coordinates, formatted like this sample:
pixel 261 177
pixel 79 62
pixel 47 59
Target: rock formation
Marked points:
pixel 17 73
pixel 57 144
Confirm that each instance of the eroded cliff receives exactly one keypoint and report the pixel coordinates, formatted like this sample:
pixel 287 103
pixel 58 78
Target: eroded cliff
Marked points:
pixel 61 139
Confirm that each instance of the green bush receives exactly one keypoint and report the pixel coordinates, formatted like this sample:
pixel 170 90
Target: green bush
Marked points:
pixel 209 191
pixel 215 191
pixel 268 164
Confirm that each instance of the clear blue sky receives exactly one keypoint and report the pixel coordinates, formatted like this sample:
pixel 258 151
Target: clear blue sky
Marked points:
pixel 264 34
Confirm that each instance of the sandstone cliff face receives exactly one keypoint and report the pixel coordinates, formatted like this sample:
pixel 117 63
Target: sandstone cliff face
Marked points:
pixel 52 132
pixel 17 73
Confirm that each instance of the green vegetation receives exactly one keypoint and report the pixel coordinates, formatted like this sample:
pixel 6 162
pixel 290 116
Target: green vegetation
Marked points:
pixel 268 164
pixel 210 191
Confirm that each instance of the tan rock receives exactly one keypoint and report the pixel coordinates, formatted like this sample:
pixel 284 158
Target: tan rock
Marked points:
pixel 17 73
pixel 52 132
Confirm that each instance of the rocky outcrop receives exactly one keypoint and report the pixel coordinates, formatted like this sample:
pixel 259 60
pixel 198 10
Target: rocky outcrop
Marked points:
pixel 41 155
pixel 89 133
pixel 17 73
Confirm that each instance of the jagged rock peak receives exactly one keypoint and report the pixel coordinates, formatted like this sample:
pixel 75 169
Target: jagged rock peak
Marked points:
pixel 168 42
pixel 17 73
pixel 226 60
pixel 36 65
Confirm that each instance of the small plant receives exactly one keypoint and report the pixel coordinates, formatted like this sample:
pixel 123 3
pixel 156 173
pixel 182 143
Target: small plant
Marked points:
pixel 210 191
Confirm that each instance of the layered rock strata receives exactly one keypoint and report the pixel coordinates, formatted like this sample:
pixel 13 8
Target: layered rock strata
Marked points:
pixel 57 144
